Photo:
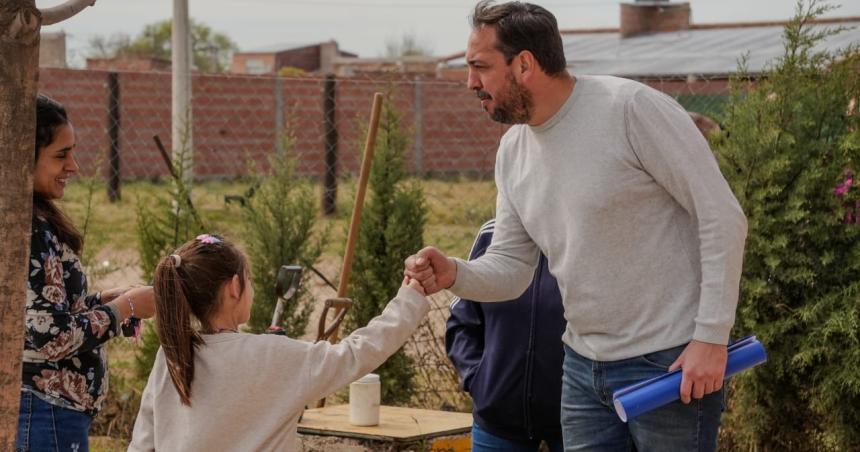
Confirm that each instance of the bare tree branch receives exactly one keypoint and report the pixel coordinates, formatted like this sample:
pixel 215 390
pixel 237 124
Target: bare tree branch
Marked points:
pixel 62 12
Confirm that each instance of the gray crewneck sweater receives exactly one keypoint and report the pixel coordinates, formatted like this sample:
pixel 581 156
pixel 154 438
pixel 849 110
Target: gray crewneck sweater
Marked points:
pixel 622 194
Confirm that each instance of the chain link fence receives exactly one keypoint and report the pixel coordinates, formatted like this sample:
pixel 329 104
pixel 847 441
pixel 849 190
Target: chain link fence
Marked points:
pixel 239 121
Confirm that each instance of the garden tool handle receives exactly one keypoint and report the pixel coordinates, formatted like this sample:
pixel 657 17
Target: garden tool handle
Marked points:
pixel 352 238
pixel 341 305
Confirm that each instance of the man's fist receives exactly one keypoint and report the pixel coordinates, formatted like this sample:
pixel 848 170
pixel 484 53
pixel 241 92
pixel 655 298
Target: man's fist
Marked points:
pixel 432 269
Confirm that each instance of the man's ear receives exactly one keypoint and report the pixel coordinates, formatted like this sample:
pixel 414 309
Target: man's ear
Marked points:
pixel 525 65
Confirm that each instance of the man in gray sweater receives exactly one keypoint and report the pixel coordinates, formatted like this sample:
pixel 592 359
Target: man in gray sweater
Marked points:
pixel 612 181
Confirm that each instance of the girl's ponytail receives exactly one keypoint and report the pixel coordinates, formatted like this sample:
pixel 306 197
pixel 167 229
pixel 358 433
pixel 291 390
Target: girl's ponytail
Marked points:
pixel 187 283
pixel 173 321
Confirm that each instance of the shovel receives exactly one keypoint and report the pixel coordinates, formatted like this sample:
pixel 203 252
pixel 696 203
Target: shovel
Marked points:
pixel 286 286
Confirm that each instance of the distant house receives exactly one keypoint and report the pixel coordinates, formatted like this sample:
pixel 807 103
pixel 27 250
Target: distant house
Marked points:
pixel 314 58
pixel 411 65
pixel 52 49
pixel 656 43
pixel 129 63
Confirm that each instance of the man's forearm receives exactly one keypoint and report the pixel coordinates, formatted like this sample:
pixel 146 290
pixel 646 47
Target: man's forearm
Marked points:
pixel 493 277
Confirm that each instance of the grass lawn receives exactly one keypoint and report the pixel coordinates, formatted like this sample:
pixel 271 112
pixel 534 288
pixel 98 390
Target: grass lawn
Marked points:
pixel 456 208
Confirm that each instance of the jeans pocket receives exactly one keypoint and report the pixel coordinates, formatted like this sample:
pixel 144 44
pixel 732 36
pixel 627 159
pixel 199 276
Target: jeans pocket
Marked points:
pixel 664 358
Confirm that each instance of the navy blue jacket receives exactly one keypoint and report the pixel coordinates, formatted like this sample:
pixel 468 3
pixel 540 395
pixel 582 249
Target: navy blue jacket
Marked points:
pixel 509 355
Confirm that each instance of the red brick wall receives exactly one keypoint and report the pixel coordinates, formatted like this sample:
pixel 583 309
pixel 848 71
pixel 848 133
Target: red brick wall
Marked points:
pixel 235 120
pixel 85 95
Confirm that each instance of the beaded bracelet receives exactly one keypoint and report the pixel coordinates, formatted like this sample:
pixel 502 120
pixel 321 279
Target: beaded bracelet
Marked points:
pixel 131 326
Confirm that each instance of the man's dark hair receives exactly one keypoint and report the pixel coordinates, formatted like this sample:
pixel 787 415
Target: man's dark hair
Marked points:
pixel 523 26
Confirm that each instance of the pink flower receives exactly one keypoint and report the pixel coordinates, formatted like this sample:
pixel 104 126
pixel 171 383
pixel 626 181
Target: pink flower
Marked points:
pixel 842 188
pixel 53 271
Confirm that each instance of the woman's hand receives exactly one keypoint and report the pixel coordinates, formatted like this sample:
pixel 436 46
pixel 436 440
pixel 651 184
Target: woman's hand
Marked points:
pixel 141 298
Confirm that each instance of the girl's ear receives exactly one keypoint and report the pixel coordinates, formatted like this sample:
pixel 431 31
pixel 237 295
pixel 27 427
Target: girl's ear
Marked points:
pixel 234 288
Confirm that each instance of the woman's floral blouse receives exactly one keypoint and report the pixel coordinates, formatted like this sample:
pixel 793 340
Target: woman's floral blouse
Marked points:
pixel 65 362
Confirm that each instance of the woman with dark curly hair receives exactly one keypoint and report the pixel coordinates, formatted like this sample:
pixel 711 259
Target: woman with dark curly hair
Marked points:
pixel 65 377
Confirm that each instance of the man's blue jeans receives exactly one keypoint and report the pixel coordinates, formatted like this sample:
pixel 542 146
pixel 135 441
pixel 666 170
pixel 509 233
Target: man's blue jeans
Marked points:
pixel 50 428
pixel 484 441
pixel 588 418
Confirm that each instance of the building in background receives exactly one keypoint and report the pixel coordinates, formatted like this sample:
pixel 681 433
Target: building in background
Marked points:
pixel 311 58
pixel 658 44
pixel 52 49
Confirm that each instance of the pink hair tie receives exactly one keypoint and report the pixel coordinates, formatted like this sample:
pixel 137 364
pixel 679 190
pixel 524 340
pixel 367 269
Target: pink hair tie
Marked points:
pixel 208 239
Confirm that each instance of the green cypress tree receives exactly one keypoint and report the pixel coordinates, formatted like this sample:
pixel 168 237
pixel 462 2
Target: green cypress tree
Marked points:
pixel 280 220
pixel 793 138
pixel 161 229
pixel 392 228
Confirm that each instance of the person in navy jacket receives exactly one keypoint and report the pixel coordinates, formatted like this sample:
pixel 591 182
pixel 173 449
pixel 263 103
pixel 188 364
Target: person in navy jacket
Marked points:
pixel 509 357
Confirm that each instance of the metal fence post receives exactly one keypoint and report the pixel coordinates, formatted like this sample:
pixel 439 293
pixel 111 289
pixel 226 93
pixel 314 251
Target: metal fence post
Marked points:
pixel 418 163
pixel 279 116
pixel 330 160
pixel 114 179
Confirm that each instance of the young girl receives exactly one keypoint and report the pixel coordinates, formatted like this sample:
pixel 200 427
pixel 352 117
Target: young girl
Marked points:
pixel 64 378
pixel 214 388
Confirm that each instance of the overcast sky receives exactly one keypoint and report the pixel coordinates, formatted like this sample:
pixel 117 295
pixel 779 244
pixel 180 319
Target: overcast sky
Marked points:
pixel 364 26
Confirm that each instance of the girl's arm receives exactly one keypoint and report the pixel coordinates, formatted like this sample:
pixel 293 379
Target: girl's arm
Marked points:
pixel 329 367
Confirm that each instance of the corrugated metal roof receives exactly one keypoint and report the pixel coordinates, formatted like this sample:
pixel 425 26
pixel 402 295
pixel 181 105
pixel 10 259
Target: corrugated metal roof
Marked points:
pixel 712 51
pixel 702 52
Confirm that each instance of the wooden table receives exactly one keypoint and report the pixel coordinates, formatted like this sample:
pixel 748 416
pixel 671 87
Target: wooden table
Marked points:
pixel 397 425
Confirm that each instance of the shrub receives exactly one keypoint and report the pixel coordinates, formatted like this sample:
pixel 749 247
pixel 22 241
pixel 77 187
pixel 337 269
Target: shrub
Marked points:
pixel 791 138
pixel 160 230
pixel 392 227
pixel 279 220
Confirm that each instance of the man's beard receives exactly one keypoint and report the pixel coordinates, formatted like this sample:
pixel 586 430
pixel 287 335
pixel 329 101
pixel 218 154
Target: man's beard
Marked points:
pixel 514 106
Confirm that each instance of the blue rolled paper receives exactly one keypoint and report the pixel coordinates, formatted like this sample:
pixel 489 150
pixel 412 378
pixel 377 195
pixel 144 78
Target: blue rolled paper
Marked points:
pixel 647 395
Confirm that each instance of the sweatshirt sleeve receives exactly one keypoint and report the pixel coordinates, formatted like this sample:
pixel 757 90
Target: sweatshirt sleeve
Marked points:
pixel 464 330
pixel 328 367
pixel 143 435
pixel 60 324
pixel 505 271
pixel 677 156
pixel 464 339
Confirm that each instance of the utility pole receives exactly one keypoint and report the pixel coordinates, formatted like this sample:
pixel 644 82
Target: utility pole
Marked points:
pixel 182 132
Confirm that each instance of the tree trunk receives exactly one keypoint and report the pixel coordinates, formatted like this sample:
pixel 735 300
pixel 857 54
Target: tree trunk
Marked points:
pixel 20 21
